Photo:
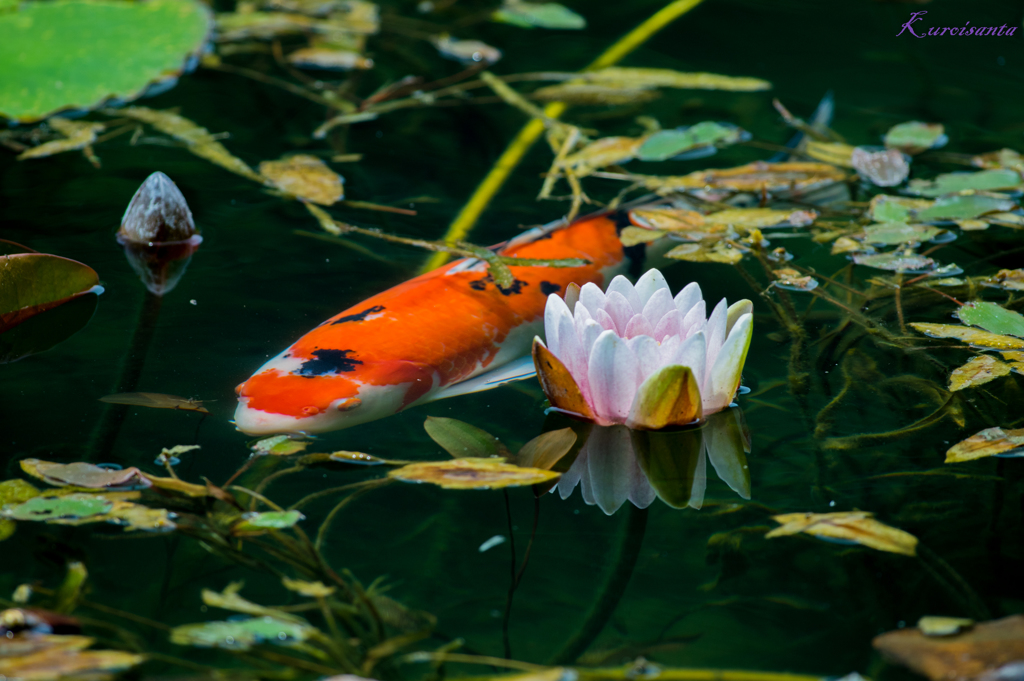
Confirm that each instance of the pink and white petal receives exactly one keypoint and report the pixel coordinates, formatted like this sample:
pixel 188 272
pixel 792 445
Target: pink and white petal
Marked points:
pixel 638 326
pixel 610 459
pixel 724 377
pixel 605 320
pixel 668 348
pixel 695 320
pixel 592 298
pixel 648 353
pixel 614 375
pixel 737 310
pixel 554 310
pixel 715 332
pixel 567 483
pixel 658 305
pixel 622 286
pixel 571 352
pixel 668 326
pixel 688 297
pixel 649 284
pixel 588 336
pixel 693 353
pixel 619 308
pixel 641 494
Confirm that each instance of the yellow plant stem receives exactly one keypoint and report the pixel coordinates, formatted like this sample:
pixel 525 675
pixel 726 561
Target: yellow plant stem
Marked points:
pixel 513 154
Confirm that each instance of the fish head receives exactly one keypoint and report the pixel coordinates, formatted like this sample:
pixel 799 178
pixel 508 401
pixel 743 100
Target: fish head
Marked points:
pixel 327 390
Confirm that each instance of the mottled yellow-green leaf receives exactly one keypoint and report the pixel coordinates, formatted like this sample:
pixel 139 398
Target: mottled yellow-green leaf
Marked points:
pixel 988 442
pixel 305 177
pixel 793 280
pixel 753 177
pixel 719 251
pixel 975 337
pixel 631 236
pixel 915 136
pixel 642 77
pixel 931 625
pixel 76 135
pixel 977 371
pixel 472 473
pixel 835 153
pixel 750 218
pixel 854 527
pixel 310 589
pixel 279 445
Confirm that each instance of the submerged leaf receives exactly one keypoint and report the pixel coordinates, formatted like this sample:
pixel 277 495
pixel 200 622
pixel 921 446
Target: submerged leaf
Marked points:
pixel 327 58
pixel 258 523
pixel 545 450
pixel 665 144
pixel 240 634
pixel 466 51
pixel 992 317
pixel 63 658
pixel 753 177
pixel 76 54
pixel 603 152
pixel 32 283
pixel 835 153
pixel 631 236
pixel 360 458
pixel 1011 280
pixel 538 15
pixel 643 77
pixel 977 371
pixel 975 337
pixel 986 647
pixel 989 442
pixel 666 219
pixel 595 93
pixel 931 625
pixel 751 218
pixel 720 252
pixel 310 589
pixel 156 401
pixel 472 473
pixel 76 135
pixel 855 527
pixel 305 177
pixel 81 474
pixel 463 440
pixel 279 445
pixel 55 508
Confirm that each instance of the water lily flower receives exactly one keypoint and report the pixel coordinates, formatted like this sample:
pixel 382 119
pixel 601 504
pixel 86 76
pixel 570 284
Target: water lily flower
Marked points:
pixel 634 355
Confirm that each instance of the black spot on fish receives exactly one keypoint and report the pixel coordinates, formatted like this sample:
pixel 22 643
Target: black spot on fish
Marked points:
pixel 547 288
pixel 328 362
pixel 515 288
pixel 621 220
pixel 359 316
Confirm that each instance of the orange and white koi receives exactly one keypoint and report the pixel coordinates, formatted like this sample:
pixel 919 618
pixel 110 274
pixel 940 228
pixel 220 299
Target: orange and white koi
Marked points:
pixel 448 332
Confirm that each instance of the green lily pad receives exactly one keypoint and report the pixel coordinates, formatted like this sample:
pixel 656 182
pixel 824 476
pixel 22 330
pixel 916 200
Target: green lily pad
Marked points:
pixel 76 54
pixel 665 144
pixel 271 520
pixel 240 635
pixel 891 233
pixel 463 440
pixel 983 180
pixel 539 15
pixel 964 207
pixel 71 506
pixel 885 208
pixel 895 261
pixel 915 136
pixel 992 317
pixel 31 283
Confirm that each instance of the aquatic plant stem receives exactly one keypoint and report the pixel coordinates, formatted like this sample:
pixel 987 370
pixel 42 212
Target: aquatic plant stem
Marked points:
pixel 108 427
pixel 517 149
pixel 611 592
pixel 944 573
pixel 512 582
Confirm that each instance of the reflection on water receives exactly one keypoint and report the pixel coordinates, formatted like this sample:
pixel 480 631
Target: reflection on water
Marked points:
pixel 616 464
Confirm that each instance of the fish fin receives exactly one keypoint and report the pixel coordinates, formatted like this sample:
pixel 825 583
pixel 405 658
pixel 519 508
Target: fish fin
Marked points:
pixel 516 370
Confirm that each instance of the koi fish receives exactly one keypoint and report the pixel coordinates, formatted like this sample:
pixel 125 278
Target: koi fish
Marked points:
pixel 448 332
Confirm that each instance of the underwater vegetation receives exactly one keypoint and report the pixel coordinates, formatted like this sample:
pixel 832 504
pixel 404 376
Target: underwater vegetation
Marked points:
pixel 821 480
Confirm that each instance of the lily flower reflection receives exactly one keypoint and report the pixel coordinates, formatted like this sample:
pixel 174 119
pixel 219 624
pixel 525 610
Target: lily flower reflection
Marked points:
pixel 616 463
pixel 639 357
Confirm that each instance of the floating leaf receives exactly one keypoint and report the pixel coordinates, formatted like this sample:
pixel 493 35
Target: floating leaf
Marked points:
pixel 845 244
pixel 305 177
pixel 720 252
pixel 326 58
pixel 179 486
pixel 631 236
pixel 360 458
pixel 992 317
pixel 472 473
pixel 665 144
pixel 886 208
pixel 463 440
pixel 76 54
pixel 13 492
pixel 988 442
pixel 82 474
pixel 983 180
pixel 974 654
pixel 595 93
pixel 931 625
pixel 914 136
pixel 76 135
pixel 258 523
pixel 1011 280
pixel 965 206
pixel 891 233
pixel 835 153
pixel 641 77
pixel 975 337
pixel 236 26
pixel 61 657
pixel 751 218
pixel 753 177
pixel 897 261
pixel 310 589
pixel 198 140
pixel 31 283
pixel 538 15
pixel 71 506
pixel 855 527
pixel 279 445
pixel 794 280
pixel 977 371
pixel 885 168
pixel 1004 158
pixel 666 219
pixel 603 152
pixel 545 450
pixel 156 401
pixel 240 634
pixel 136 517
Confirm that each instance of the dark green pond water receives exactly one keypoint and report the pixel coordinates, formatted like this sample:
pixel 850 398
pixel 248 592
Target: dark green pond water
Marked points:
pixel 707 590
